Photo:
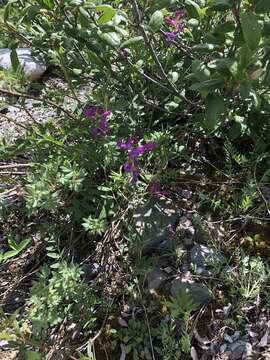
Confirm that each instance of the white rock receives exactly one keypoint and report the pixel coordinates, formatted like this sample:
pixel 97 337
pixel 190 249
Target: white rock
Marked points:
pixel 33 66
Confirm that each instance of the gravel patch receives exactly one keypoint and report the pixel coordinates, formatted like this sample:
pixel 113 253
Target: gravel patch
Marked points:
pixel 14 119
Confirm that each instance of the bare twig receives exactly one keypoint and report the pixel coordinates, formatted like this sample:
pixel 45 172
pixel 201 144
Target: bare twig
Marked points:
pixel 45 101
pixel 11 166
pixel 13 173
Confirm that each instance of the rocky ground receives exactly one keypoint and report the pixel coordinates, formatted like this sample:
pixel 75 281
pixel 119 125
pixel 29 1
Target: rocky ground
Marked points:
pixel 188 259
pixel 180 233
pixel 18 117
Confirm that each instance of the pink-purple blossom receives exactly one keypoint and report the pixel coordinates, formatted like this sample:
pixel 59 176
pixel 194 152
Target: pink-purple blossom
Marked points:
pixel 102 128
pixel 134 153
pixel 171 22
pixel 122 145
pixel 179 14
pixel 176 24
pixel 99 117
pixel 170 35
pixel 134 169
pixel 132 166
pixel 93 110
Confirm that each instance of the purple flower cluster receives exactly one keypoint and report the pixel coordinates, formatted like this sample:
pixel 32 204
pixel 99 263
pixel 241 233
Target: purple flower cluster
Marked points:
pixel 131 166
pixel 99 116
pixel 176 24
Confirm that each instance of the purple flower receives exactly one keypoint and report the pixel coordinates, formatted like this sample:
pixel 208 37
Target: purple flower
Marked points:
pixel 124 53
pixel 127 167
pixel 95 132
pixel 99 116
pixel 179 14
pixel 170 35
pixel 105 114
pixel 150 145
pixel 180 27
pixel 132 168
pixel 175 23
pixel 171 22
pixel 103 126
pixel 125 145
pixel 93 110
pixel 139 150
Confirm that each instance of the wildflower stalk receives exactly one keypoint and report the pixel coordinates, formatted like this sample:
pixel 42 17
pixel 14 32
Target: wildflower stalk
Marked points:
pixel 63 67
pixel 154 55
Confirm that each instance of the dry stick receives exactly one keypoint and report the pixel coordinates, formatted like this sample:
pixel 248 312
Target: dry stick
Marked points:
pixel 13 30
pixel 11 166
pixel 33 97
pixel 147 77
pixel 13 173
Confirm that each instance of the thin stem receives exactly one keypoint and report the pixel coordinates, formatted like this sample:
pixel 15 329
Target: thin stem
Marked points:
pixel 154 55
pixel 45 101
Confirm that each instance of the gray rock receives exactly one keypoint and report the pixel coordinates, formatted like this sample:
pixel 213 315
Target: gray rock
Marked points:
pixel 238 348
pixel 3 343
pixel 248 352
pixel 186 230
pixel 90 271
pixel 187 194
pixel 199 292
pixel 201 255
pixel 33 66
pixel 155 278
pixel 57 355
pixel 154 223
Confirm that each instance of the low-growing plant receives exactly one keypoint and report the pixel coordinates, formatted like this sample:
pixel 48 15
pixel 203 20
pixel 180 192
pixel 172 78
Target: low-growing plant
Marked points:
pixel 147 85
pixel 245 279
pixel 61 294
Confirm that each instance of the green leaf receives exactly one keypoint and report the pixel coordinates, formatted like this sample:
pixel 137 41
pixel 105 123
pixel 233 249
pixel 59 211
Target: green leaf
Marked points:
pixel 263 7
pixel 205 48
pixel 224 28
pixel 208 85
pixel 53 255
pixel 244 56
pixel 200 70
pixel 220 5
pixel 32 355
pixel 9 254
pixel 48 4
pixel 214 107
pixel 23 244
pixel 252 30
pixel 94 58
pixel 156 21
pixel 103 8
pixel 111 38
pixel 107 16
pixel 193 9
pixel 7 12
pixel 14 59
pixel 133 41
pixel 103 213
